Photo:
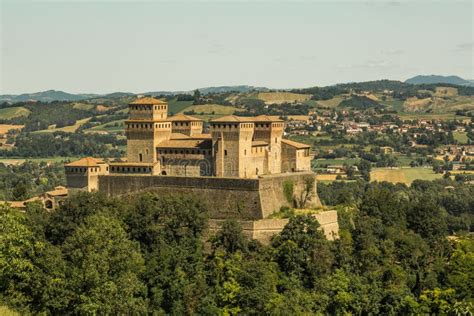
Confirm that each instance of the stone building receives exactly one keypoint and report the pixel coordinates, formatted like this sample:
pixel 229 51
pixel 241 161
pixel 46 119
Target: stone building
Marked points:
pixel 243 147
pixel 241 167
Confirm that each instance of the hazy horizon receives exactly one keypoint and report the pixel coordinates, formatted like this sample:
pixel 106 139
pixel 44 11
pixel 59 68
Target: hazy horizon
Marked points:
pixel 104 46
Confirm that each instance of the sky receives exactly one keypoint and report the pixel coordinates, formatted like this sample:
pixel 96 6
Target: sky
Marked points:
pixel 141 46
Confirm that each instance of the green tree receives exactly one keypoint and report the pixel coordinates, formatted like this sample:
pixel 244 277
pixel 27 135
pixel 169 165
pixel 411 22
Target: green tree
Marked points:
pixel 104 268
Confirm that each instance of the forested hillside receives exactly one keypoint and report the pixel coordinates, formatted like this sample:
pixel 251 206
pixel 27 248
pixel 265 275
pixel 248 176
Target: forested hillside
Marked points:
pixel 397 254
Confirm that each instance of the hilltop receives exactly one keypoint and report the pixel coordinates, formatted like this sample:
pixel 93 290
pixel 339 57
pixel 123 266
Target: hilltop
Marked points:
pixel 432 79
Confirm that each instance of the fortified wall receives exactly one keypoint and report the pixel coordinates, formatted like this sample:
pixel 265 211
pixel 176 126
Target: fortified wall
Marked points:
pixel 228 198
pixel 249 201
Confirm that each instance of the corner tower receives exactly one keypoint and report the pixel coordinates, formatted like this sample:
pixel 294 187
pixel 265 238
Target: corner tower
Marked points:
pixel 147 126
pixel 270 130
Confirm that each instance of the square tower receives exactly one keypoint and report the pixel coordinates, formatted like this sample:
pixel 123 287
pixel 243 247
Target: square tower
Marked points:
pixel 232 146
pixel 147 126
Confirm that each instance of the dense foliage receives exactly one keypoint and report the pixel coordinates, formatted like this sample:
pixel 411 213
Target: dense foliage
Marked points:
pixel 96 255
pixel 360 102
pixel 20 182
pixel 65 145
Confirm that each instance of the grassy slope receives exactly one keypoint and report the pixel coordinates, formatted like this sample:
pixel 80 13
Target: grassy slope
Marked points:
pixel 68 129
pixel 331 103
pixel 282 97
pixel 83 106
pixel 9 113
pixel 109 127
pixel 178 106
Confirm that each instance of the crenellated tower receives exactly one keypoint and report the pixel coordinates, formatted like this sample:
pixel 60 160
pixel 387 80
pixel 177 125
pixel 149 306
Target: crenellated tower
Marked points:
pixel 147 126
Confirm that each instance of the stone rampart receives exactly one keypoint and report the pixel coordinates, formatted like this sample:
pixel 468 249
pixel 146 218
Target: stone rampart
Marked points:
pixel 263 229
pixel 236 198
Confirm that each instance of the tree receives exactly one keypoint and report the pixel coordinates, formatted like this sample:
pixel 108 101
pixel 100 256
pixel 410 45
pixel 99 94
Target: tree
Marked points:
pixel 230 238
pixel 196 97
pixel 302 250
pixel 104 268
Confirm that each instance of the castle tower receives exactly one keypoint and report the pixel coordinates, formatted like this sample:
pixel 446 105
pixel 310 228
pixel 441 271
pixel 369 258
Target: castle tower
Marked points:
pixel 270 130
pixel 83 174
pixel 186 124
pixel 147 126
pixel 232 146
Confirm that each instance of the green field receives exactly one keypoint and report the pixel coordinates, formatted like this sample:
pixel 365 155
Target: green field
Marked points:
pixel 83 106
pixel 178 106
pixel 461 137
pixel 9 113
pixel 109 127
pixel 403 175
pixel 331 103
pixel 396 105
pixel 67 129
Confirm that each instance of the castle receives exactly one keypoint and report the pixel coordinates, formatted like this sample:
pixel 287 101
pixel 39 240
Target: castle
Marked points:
pixel 242 167
pixel 243 147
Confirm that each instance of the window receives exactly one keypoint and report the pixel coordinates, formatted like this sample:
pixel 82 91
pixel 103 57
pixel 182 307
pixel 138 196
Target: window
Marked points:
pixel 225 152
pixel 140 157
pixel 245 152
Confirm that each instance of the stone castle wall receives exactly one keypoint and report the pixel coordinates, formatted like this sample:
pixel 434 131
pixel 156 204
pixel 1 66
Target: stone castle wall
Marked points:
pixel 228 198
pixel 264 229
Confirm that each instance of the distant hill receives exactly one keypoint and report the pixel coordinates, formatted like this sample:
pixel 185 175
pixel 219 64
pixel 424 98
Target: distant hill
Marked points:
pixel 207 90
pixel 432 79
pixel 45 96
pixel 240 89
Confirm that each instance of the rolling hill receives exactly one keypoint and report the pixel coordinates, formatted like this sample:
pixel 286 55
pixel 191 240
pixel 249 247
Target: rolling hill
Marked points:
pixel 45 96
pixel 432 79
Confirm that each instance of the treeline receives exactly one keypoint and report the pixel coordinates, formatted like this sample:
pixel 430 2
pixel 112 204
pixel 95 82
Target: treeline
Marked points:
pixel 21 182
pixel 65 145
pixel 146 255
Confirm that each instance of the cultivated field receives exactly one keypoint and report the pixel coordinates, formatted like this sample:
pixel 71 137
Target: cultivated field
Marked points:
pixel 9 113
pixel 326 177
pixel 403 175
pixel 68 129
pixel 4 128
pixel 282 97
pixel 83 106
